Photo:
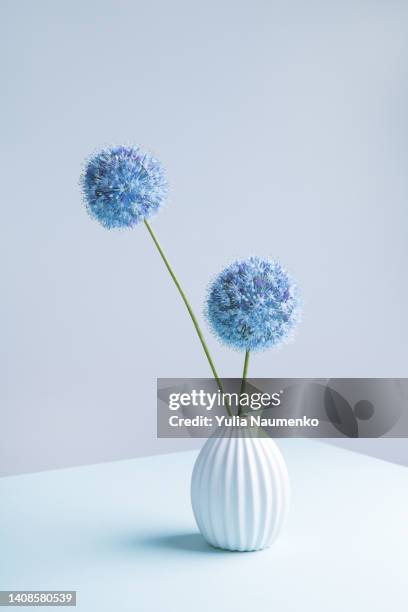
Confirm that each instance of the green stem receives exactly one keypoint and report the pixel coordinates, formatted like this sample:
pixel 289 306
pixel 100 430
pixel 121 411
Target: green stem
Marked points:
pixel 244 376
pixel 190 310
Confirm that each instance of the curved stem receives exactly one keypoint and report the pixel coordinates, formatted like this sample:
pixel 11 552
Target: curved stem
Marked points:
pixel 244 376
pixel 190 310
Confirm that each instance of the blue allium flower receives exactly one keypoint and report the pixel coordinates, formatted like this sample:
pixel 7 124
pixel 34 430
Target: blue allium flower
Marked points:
pixel 123 186
pixel 253 304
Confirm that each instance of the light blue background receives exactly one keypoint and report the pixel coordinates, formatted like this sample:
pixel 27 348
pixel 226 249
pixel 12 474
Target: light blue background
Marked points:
pixel 283 126
pixel 105 531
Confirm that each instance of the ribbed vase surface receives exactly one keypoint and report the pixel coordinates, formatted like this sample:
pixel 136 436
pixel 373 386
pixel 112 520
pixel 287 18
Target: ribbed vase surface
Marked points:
pixel 240 491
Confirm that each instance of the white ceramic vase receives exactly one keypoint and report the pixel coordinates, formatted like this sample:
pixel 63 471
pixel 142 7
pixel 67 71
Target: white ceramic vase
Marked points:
pixel 240 491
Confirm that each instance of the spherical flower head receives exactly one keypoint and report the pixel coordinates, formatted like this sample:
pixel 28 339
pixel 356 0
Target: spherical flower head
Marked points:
pixel 253 304
pixel 122 186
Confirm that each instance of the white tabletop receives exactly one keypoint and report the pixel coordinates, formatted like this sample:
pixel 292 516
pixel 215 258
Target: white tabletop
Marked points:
pixel 123 536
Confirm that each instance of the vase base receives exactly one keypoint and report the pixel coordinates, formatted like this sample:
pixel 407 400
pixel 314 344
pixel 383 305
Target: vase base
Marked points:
pixel 237 548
